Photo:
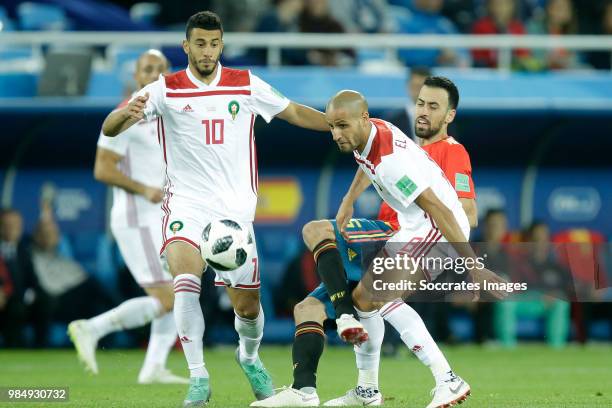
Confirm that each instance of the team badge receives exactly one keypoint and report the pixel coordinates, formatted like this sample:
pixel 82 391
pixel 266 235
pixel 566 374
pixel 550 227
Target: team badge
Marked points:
pixel 176 226
pixel 233 108
pixel 351 254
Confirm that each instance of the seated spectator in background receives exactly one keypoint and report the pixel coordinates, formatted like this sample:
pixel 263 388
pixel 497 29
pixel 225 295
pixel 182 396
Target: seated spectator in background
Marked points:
pixel 559 19
pixel 500 19
pixel 22 294
pixel 425 18
pixel 495 234
pixel 282 18
pixel 582 251
pixel 69 292
pixel 404 119
pixel 316 18
pixel 362 16
pixel 602 59
pixel 551 280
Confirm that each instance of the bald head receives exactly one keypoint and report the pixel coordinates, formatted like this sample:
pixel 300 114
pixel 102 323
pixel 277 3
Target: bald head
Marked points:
pixel 349 120
pixel 351 101
pixel 149 66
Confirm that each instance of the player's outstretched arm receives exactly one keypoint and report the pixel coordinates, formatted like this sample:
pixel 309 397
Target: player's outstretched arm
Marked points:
pixel 345 211
pixel 469 206
pixel 450 229
pixel 121 119
pixel 106 170
pixel 304 116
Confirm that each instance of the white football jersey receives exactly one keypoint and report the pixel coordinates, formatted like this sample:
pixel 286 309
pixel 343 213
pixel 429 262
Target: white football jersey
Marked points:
pixel 207 139
pixel 142 161
pixel 400 171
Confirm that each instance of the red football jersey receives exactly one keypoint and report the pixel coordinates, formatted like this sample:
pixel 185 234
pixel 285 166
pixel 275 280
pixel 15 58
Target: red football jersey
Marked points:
pixel 454 161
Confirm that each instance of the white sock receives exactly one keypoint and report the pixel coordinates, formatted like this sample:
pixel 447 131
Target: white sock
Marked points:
pixel 190 321
pixel 250 333
pixel 368 354
pixel 128 315
pixel 415 335
pixel 161 340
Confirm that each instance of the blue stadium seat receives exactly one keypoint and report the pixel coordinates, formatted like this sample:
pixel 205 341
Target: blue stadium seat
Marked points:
pixel 40 17
pixel 6 24
pixel 145 12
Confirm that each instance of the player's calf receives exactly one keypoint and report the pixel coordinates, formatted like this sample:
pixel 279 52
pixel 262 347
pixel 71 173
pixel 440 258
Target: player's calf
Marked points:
pixel 319 236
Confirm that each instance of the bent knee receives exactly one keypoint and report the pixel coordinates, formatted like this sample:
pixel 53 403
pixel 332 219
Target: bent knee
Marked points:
pixel 316 231
pixel 247 310
pixel 360 301
pixel 164 295
pixel 309 310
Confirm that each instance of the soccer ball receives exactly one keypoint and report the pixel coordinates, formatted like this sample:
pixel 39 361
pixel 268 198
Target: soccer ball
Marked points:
pixel 226 245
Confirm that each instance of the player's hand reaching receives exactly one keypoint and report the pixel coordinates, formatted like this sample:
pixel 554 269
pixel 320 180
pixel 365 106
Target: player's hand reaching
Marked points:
pixel 344 215
pixel 480 275
pixel 135 109
pixel 153 194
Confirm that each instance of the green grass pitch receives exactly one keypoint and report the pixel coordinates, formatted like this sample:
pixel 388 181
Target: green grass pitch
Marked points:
pixel 526 377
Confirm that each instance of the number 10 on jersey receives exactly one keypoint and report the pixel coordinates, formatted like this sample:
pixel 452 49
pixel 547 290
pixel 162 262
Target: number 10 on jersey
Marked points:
pixel 214 131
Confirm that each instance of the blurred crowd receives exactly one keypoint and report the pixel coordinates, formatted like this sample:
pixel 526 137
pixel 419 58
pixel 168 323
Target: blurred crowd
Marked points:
pixel 480 17
pixel 40 287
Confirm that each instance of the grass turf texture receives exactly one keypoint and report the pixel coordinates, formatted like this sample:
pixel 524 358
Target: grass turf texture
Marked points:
pixel 529 376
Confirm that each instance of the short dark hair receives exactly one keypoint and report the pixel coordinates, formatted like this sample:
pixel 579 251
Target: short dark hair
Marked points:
pixel 448 86
pixel 206 20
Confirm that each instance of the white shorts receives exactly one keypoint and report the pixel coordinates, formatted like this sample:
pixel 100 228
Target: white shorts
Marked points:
pixel 139 247
pixel 422 243
pixel 185 222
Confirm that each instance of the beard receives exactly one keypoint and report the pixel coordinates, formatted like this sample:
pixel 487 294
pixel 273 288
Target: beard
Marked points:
pixel 203 72
pixel 427 133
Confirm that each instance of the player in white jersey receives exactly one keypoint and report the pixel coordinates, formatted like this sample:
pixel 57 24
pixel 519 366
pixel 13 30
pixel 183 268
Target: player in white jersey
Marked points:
pixel 429 212
pixel 206 115
pixel 133 166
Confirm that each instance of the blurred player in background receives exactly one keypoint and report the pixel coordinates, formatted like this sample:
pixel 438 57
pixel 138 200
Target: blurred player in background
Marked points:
pixel 206 115
pixel 436 108
pixel 134 167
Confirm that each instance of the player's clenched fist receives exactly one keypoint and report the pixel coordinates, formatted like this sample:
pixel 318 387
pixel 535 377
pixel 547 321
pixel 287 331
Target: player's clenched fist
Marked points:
pixel 135 109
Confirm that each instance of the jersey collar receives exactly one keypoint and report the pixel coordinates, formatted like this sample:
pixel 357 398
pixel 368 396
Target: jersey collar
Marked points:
pixel 368 146
pixel 201 84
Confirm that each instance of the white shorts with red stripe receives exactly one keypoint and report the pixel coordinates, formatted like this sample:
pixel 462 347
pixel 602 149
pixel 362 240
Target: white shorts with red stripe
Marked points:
pixel 422 243
pixel 185 222
pixel 139 247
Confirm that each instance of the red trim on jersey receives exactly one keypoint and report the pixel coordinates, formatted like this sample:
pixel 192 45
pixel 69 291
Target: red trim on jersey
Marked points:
pixel 234 77
pixel 252 157
pixel 163 132
pixel 207 93
pixel 367 164
pixel 187 240
pixel 241 286
pixel 179 80
pixel 238 286
pixel 382 145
